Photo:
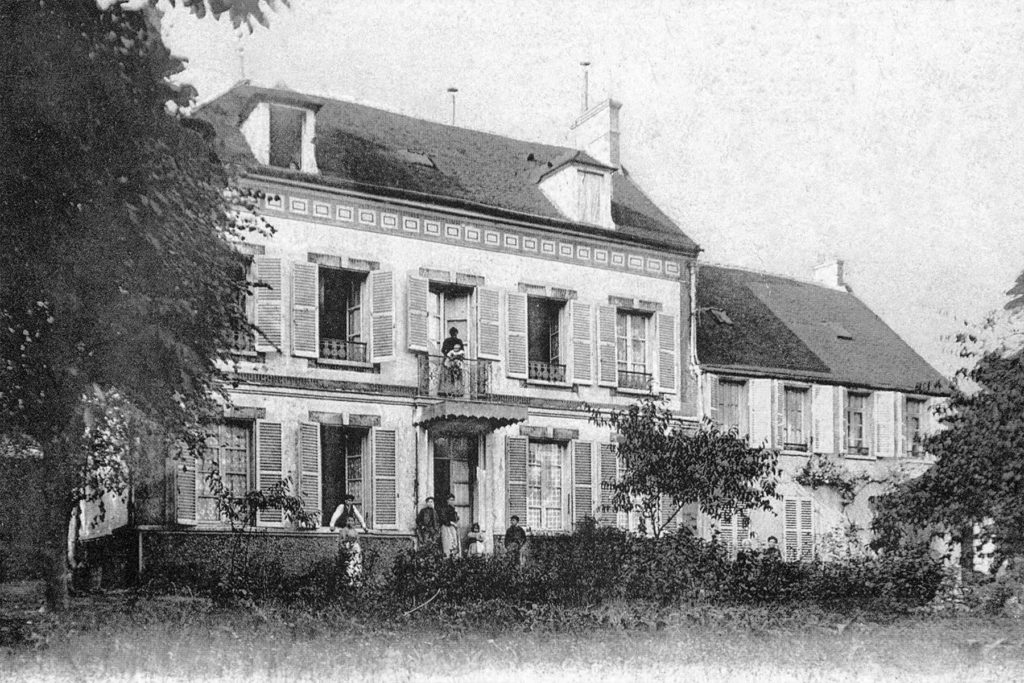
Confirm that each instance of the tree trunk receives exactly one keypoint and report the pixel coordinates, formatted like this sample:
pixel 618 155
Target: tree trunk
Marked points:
pixel 59 460
pixel 967 547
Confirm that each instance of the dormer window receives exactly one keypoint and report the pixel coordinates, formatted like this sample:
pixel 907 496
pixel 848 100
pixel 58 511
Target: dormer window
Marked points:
pixel 286 125
pixel 282 135
pixel 580 187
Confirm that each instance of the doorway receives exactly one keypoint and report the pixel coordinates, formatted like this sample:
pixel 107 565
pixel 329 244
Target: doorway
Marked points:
pixel 455 463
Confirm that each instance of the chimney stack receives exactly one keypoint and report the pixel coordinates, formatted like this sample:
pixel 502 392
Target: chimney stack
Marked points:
pixel 831 274
pixel 596 132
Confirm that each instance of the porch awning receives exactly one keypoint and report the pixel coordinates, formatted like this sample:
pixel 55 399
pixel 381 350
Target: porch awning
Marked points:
pixel 469 416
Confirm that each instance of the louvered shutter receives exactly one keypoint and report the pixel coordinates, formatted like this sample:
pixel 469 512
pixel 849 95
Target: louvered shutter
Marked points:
pixel 824 420
pixel 806 530
pixel 670 516
pixel 385 480
pixel 608 472
pixel 727 533
pixel 185 491
pixel 607 369
pixel 305 314
pixel 269 463
pixel 885 424
pixel 583 480
pixel 417 315
pixel 382 316
pixel 778 413
pixel 667 337
pixel 268 303
pixel 791 532
pixel 711 398
pixel 488 323
pixel 309 468
pixel 582 343
pixel 515 363
pixel 516 456
pixel 760 398
pixel 839 401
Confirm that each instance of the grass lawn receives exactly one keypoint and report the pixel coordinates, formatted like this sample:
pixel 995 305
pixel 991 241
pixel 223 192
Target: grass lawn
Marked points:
pixel 117 637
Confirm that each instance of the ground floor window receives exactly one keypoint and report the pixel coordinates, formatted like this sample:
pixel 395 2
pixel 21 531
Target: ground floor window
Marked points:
pixel 544 500
pixel 341 454
pixel 229 452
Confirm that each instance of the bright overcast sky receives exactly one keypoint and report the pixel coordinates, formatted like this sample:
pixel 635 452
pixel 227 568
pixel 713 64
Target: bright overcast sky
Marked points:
pixel 776 133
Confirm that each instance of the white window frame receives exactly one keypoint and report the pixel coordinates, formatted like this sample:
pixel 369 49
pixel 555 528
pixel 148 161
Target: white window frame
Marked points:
pixel 204 466
pixel 908 438
pixel 544 523
pixel 742 407
pixel 864 448
pixel 805 422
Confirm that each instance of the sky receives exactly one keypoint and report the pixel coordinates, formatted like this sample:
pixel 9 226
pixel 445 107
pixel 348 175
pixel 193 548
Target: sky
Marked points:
pixel 777 134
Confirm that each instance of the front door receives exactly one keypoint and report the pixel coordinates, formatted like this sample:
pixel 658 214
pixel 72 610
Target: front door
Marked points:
pixel 455 461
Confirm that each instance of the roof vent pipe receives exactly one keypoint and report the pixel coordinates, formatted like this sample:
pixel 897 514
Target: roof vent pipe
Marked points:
pixel 452 90
pixel 585 95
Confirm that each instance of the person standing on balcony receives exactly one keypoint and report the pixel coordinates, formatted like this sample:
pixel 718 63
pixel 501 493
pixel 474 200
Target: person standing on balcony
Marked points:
pixel 448 518
pixel 428 528
pixel 448 344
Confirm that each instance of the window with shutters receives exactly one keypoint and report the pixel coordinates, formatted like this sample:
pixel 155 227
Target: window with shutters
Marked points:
pixel 798 529
pixel 546 358
pixel 448 308
pixel 342 325
pixel 229 452
pixel 733 531
pixel 244 343
pixel 286 127
pixel 341 466
pixel 632 331
pixel 913 419
pixel 729 405
pixel 796 434
pixel 857 418
pixel 545 503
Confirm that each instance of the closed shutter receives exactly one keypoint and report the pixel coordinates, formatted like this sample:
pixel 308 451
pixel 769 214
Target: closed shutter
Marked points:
pixel 778 409
pixel 583 480
pixel 667 370
pixel 791 535
pixel 305 318
pixel 268 303
pixel 671 517
pixel 727 533
pixel 607 369
pixel 582 343
pixel 806 530
pixel 823 419
pixel 608 473
pixel 382 316
pixel 309 468
pixel 515 363
pixel 885 424
pixel 269 463
pixel 417 315
pixel 516 456
pixel 711 399
pixel 760 412
pixel 385 480
pixel 488 323
pixel 184 491
pixel 799 529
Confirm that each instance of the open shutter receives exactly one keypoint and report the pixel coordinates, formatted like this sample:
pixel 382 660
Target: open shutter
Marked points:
pixel 608 472
pixel 515 363
pixel 667 370
pixel 583 480
pixel 806 530
pixel 268 303
pixel 607 370
pixel 823 418
pixel 760 411
pixel 582 343
pixel 305 316
pixel 516 456
pixel 417 315
pixel 382 316
pixel 885 424
pixel 791 532
pixel 309 468
pixel 185 491
pixel 670 516
pixel 269 462
pixel 488 323
pixel 385 479
pixel 778 409
pixel 711 399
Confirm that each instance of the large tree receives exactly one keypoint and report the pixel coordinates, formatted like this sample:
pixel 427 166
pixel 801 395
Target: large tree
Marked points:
pixel 116 268
pixel 667 466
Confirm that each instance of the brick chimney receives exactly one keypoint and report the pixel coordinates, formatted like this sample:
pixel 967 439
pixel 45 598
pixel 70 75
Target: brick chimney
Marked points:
pixel 830 274
pixel 596 132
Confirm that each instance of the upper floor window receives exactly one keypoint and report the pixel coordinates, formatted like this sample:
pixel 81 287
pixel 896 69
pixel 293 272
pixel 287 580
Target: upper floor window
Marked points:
pixel 544 339
pixel 591 185
pixel 545 504
pixel 857 419
pixel 631 350
pixel 341 315
pixel 796 436
pixel 913 419
pixel 286 124
pixel 448 309
pixel 729 405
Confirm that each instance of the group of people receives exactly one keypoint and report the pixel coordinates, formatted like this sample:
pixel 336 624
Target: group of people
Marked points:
pixel 750 546
pixel 438 528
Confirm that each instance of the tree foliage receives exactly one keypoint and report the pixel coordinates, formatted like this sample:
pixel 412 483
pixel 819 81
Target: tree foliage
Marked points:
pixel 667 466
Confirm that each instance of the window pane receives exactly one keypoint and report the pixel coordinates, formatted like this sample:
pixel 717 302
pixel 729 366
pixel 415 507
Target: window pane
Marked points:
pixel 286 137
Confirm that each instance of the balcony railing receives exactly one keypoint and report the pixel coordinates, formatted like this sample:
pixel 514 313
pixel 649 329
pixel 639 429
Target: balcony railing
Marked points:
pixel 546 372
pixel 634 381
pixel 858 450
pixel 341 349
pixel 441 376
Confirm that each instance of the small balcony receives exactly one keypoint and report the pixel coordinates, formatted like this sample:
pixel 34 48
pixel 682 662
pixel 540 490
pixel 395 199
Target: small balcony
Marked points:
pixel 342 350
pixel 454 378
pixel 635 381
pixel 546 372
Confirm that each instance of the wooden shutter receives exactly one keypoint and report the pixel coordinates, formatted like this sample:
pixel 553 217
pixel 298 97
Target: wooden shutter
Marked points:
pixel 607 369
pixel 517 449
pixel 760 398
pixel 269 465
pixel 667 366
pixel 608 473
pixel 268 303
pixel 839 401
pixel 823 419
pixel 309 468
pixel 727 533
pixel 417 315
pixel 515 363
pixel 671 521
pixel 711 398
pixel 385 479
pixel 806 523
pixel 885 424
pixel 382 316
pixel 791 533
pixel 583 480
pixel 305 314
pixel 185 491
pixel 582 343
pixel 488 323
pixel 778 414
